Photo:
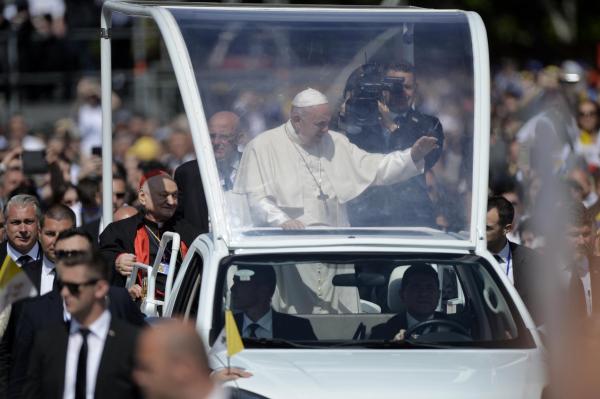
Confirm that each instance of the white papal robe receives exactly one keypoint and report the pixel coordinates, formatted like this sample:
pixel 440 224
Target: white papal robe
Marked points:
pixel 283 180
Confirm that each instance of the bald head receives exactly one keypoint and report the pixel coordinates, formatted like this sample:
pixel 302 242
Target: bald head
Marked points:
pixel 171 361
pixel 179 340
pixel 224 134
pixel 124 212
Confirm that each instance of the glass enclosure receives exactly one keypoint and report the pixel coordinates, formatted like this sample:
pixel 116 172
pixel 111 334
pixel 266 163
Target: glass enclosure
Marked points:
pixel 334 119
pixel 330 299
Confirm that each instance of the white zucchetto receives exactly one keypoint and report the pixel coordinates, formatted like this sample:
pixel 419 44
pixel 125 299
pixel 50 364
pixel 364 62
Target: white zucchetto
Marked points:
pixel 309 98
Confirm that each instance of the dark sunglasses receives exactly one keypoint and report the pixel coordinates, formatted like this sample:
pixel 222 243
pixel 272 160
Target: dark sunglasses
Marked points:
pixel 62 254
pixel 74 288
pixel 120 195
pixel 590 113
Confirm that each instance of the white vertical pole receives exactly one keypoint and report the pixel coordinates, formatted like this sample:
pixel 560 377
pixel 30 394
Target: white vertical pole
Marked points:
pixel 105 67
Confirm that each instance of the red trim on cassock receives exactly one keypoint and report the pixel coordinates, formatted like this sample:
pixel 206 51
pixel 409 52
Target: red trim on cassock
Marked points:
pixel 141 245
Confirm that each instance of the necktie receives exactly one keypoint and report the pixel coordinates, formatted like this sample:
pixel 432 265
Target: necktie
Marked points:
pixel 252 330
pixel 80 381
pixel 55 280
pixel 23 260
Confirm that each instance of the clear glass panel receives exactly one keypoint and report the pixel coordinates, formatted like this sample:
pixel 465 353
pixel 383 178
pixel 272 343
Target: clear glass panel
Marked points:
pixel 389 79
pixel 329 299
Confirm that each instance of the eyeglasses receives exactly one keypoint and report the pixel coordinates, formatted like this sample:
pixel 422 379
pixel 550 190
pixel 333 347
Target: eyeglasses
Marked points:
pixel 62 254
pixel 120 195
pixel 222 138
pixel 588 113
pixel 74 288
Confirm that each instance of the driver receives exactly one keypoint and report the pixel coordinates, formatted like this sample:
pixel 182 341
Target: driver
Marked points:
pixel 420 292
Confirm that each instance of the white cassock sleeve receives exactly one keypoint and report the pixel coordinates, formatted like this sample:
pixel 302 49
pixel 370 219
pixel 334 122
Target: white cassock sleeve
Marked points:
pixel 397 166
pixel 265 212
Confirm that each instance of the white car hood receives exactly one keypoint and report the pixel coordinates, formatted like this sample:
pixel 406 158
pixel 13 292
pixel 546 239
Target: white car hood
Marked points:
pixel 413 373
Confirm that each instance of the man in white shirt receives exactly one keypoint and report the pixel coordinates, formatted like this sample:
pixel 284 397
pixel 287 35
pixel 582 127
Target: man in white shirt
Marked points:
pixel 93 357
pixel 56 219
pixel 251 293
pixel 520 264
pixel 580 268
pixel 22 213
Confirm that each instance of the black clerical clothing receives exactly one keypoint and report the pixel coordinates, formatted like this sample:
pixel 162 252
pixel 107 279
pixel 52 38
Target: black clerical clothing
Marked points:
pixel 284 326
pixel 191 203
pixel 42 312
pixel 46 373
pixel 130 236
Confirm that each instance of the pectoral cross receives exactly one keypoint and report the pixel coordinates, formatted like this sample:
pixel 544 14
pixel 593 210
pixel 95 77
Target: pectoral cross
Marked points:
pixel 322 196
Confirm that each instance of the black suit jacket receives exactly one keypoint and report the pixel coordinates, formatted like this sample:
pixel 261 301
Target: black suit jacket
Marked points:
pixel 118 237
pixel 93 228
pixel 390 328
pixel 285 326
pixel 34 272
pixel 47 310
pixel 46 373
pixel 526 276
pixel 191 200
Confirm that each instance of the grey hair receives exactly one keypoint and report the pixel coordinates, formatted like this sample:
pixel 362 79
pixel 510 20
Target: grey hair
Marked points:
pixel 22 201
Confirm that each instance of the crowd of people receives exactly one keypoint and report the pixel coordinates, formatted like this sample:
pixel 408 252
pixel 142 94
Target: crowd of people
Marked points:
pixel 544 160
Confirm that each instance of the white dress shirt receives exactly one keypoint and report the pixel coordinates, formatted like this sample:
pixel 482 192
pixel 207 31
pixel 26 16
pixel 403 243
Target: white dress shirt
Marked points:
pixel 35 253
pixel 48 273
pixel 96 338
pixel 507 262
pixel 265 329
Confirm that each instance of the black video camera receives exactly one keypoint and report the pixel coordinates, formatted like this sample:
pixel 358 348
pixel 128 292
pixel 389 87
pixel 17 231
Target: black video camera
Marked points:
pixel 366 86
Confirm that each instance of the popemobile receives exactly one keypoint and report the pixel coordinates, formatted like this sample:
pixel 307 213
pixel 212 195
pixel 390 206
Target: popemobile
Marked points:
pixel 347 215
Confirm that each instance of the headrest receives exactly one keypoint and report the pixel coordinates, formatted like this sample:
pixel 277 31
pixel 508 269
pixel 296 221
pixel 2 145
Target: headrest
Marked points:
pixel 393 296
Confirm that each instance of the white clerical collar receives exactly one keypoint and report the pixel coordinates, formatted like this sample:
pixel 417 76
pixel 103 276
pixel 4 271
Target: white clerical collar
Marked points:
pixel 291 132
pixel 34 252
pixel 265 322
pixel 99 327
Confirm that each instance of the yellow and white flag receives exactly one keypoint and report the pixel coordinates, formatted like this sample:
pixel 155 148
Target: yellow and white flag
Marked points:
pixel 14 283
pixel 232 335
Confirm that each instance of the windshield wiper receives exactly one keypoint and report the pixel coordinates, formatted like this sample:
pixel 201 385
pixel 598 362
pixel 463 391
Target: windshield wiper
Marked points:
pixel 275 343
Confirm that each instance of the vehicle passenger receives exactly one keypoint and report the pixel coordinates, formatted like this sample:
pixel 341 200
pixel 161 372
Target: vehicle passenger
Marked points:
pixel 251 294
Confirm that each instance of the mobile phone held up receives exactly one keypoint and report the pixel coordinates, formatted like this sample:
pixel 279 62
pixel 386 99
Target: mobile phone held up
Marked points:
pixel 34 162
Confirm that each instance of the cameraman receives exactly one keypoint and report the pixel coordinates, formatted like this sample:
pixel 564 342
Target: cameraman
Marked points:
pixel 382 118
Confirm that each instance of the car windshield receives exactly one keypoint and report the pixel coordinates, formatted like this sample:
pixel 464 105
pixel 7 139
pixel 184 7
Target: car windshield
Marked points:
pixel 372 301
pixel 312 115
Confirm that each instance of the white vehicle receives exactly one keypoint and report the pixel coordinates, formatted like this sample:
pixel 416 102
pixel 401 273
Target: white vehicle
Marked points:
pixel 478 341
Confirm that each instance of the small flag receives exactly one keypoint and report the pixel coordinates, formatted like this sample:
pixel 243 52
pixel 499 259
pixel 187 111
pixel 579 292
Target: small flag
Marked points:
pixel 14 283
pixel 232 335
